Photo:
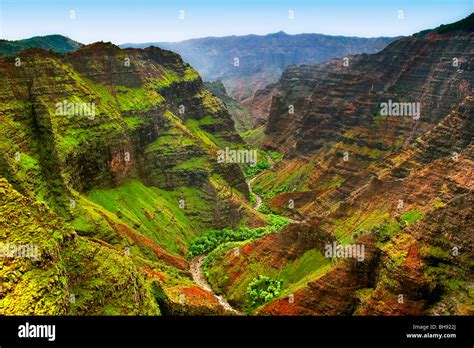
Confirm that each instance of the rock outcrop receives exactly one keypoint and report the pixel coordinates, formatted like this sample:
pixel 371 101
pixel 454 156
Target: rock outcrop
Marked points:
pixel 122 146
pixel 401 186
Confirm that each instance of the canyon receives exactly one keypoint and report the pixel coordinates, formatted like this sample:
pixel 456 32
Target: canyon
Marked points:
pixel 133 213
pixel 123 191
pixel 400 186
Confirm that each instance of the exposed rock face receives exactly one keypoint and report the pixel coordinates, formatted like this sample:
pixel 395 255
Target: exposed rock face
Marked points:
pixel 137 95
pixel 122 145
pixel 330 99
pixel 334 293
pixel 120 148
pixel 247 63
pixel 402 187
pixel 242 115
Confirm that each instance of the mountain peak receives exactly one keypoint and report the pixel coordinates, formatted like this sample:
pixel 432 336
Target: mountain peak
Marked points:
pixel 101 45
pixel 279 33
pixel 55 42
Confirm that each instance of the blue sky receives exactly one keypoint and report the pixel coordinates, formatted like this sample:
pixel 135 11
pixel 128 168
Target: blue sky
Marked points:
pixel 146 20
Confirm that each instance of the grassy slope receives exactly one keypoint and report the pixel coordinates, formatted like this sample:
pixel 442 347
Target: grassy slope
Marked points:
pixel 153 212
pixel 38 154
pixel 73 275
pixel 222 265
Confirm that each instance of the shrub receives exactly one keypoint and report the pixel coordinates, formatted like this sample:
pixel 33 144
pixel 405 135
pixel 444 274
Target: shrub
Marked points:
pixel 411 216
pixel 263 289
pixel 211 239
pixel 385 230
pixel 251 171
pixel 276 156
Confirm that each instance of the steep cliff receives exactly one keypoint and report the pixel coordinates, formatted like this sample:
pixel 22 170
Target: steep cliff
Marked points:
pixel 64 273
pixel 400 186
pixel 242 115
pixel 433 69
pixel 122 146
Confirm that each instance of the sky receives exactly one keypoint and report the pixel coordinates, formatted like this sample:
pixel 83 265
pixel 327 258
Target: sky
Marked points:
pixel 135 21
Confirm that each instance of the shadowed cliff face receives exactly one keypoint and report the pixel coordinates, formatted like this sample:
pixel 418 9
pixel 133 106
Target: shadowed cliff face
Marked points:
pixel 242 116
pixel 153 121
pixel 400 186
pixel 122 146
pixel 330 100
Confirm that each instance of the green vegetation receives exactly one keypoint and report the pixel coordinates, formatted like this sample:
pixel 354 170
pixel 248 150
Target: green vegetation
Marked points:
pixel 265 160
pixel 364 294
pixel 153 212
pixel 452 280
pixel 211 239
pixel 170 141
pixel 411 216
pixel 336 183
pixel 221 267
pixel 466 24
pixel 264 209
pixel 388 227
pixel 347 227
pixel 211 103
pixel 137 99
pixel 263 289
pixel 270 183
pixel 195 127
pixel 438 253
pixel 57 43
pixel 309 266
pixel 194 163
pixel 219 253
pixel 386 230
pixel 275 156
pixel 100 279
pixel 252 171
pixel 241 114
pixel 253 136
pixel 71 158
pixel 169 77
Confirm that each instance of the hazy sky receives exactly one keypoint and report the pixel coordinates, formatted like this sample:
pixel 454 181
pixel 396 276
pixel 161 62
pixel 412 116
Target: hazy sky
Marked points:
pixel 145 20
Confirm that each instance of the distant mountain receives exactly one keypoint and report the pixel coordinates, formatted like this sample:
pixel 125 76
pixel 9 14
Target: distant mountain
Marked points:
pixel 247 63
pixel 57 43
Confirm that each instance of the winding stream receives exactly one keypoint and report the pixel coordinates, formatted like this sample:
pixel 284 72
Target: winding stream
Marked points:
pixel 196 263
pixel 200 279
pixel 258 199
